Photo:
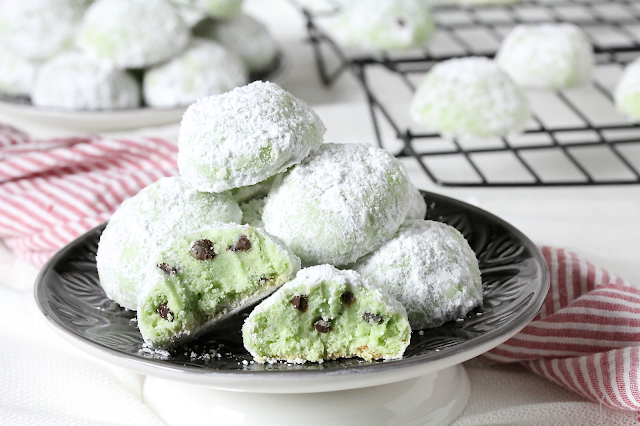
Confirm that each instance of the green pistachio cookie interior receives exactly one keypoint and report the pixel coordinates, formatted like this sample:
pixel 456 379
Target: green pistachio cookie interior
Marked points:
pixel 207 275
pixel 326 313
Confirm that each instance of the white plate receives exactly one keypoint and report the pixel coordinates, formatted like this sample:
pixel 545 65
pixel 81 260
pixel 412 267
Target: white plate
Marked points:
pixel 97 121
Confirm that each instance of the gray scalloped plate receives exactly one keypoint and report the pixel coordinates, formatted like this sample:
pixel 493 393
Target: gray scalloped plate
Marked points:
pixel 514 276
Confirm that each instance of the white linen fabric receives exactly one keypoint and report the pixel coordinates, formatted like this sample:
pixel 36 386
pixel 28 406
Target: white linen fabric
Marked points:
pixel 511 395
pixel 46 381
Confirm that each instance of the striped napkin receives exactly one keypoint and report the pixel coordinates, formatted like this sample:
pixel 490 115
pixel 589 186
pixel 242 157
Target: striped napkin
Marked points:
pixel 585 338
pixel 587 334
pixel 52 191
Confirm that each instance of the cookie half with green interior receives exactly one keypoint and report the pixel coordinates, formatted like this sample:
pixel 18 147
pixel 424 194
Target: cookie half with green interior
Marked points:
pixel 327 313
pixel 207 275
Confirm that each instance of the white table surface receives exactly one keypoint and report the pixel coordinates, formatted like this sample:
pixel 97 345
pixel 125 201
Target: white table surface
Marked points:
pixel 599 222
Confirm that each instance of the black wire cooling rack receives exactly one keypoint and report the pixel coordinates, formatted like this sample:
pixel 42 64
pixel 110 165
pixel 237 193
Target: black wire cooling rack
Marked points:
pixel 576 137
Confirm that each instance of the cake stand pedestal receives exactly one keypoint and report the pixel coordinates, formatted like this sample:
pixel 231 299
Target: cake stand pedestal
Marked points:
pixel 435 399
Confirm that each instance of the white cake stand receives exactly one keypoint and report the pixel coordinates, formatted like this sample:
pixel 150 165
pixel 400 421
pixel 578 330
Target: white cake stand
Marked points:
pixel 435 399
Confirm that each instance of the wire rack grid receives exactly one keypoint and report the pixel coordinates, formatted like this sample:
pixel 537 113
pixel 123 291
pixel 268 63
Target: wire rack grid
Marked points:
pixel 576 136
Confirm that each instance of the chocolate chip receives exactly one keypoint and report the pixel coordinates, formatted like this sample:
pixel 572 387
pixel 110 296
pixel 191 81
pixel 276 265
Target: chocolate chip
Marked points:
pixel 347 298
pixel 164 311
pixel 300 302
pixel 369 317
pixel 243 244
pixel 203 250
pixel 322 326
pixel 169 270
pixel 401 22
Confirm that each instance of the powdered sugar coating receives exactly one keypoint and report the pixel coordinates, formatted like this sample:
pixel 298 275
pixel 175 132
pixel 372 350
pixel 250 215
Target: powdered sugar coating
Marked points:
pixel 245 36
pixel 39 29
pixel 205 68
pixel 143 223
pixel 383 24
pixel 429 268
pixel 244 136
pixel 340 203
pixel 258 190
pixel 74 81
pixel 132 33
pixel 548 56
pixel 219 9
pixel 17 75
pixel 470 97
pixel 418 207
pixel 627 92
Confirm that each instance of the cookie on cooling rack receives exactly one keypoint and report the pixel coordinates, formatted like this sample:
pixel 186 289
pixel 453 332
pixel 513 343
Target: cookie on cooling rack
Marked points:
pixel 382 24
pixel 145 222
pixel 132 33
pixel 245 36
pixel 205 276
pixel 428 267
pixel 205 68
pixel 547 56
pixel 326 313
pixel 469 97
pixel 340 203
pixel 627 92
pixel 71 80
pixel 245 136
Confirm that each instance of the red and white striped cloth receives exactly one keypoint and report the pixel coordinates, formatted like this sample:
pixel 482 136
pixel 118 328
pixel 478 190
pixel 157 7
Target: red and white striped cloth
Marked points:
pixel 52 191
pixel 586 337
pixel 587 334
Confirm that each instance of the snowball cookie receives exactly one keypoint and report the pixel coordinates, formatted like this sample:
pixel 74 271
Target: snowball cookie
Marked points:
pixel 132 33
pixel 244 136
pixel 205 68
pixel 470 97
pixel 17 74
pixel 219 9
pixel 39 29
pixel 383 24
pixel 205 276
pixel 326 313
pixel 548 56
pixel 252 212
pixel 245 36
pixel 251 192
pixel 74 81
pixel 418 207
pixel 627 92
pixel 340 203
pixel 429 268
pixel 143 223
